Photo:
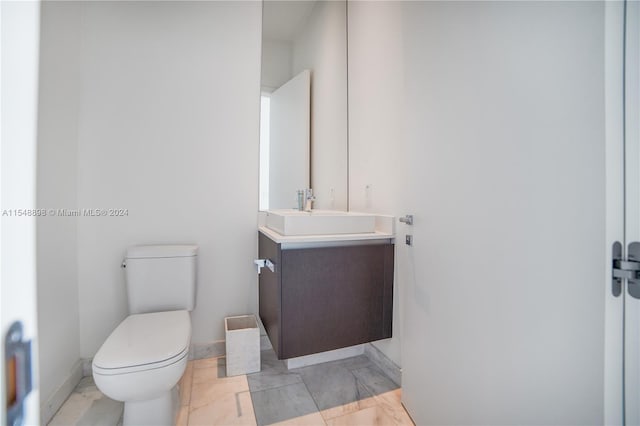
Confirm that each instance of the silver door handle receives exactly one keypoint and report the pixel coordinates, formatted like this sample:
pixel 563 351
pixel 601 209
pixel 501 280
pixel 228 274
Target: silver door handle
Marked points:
pixel 261 263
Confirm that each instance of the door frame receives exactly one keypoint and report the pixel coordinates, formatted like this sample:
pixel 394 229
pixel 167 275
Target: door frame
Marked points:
pixel 19 41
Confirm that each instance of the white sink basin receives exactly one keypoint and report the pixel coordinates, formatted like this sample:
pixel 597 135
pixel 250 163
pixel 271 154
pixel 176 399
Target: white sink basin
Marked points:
pixel 320 222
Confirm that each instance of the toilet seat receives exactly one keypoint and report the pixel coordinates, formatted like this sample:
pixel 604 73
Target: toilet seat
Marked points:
pixel 145 342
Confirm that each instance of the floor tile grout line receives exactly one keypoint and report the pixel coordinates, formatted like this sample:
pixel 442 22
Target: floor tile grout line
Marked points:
pixel 312 398
pixel 193 367
pixel 277 387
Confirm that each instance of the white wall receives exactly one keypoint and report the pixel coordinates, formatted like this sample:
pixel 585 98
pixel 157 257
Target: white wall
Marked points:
pixel 320 47
pixel 276 63
pixel 506 169
pixel 58 314
pixel 169 130
pixel 375 126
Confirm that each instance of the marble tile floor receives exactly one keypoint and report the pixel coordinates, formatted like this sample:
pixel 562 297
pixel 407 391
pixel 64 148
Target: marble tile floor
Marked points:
pixel 88 406
pixel 349 392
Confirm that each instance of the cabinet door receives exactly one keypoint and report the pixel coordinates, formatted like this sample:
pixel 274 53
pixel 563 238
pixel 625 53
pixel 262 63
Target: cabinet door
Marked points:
pixel 335 297
pixel 269 291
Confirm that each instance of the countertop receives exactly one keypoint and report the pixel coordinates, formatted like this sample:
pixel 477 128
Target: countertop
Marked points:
pixel 301 241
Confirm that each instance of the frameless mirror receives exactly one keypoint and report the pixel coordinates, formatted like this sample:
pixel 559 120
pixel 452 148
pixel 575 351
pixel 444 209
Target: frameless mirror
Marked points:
pixel 303 123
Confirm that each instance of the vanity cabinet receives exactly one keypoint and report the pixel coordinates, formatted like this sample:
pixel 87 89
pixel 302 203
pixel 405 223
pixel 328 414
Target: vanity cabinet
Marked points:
pixel 323 298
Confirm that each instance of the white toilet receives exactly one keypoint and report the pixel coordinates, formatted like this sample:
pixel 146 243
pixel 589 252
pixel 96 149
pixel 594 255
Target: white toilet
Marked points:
pixel 143 359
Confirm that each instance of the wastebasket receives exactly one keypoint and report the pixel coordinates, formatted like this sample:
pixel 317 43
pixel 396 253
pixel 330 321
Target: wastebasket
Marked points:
pixel 242 336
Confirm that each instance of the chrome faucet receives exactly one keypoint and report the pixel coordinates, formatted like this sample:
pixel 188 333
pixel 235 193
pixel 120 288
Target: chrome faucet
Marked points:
pixel 308 199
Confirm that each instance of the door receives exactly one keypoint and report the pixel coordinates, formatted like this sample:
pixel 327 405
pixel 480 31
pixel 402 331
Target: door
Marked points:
pixel 504 283
pixel 622 304
pixel 19 35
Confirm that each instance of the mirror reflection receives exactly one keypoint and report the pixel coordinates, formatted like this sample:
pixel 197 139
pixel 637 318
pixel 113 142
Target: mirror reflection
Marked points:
pixel 303 131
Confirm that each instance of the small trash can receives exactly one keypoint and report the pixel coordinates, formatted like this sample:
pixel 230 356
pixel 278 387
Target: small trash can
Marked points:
pixel 242 336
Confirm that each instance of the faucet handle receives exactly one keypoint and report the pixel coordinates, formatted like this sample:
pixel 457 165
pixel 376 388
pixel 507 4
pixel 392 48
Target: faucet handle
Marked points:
pixel 308 199
pixel 309 194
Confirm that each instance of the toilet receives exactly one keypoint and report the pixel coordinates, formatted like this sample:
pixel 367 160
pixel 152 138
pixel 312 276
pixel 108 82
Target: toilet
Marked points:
pixel 143 359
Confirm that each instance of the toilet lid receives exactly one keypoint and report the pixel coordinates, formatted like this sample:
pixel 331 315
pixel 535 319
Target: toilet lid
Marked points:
pixel 146 340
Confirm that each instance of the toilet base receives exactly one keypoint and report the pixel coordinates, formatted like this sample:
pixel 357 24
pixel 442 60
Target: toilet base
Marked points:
pixel 160 411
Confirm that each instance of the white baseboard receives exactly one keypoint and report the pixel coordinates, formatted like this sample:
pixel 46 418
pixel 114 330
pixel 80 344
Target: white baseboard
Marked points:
pixel 207 350
pixel 51 406
pixel 342 353
pixel 86 367
pixel 381 361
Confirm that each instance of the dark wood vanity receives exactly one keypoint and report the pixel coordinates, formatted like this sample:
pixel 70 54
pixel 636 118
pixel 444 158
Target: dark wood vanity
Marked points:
pixel 323 298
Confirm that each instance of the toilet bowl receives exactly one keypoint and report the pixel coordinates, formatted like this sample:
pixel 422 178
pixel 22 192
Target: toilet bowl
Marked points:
pixel 143 359
pixel 141 362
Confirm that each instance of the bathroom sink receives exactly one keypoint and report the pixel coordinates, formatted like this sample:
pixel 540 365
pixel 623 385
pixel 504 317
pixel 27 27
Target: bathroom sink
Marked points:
pixel 319 222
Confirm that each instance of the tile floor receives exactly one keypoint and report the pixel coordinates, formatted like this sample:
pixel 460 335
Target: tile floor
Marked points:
pixel 350 392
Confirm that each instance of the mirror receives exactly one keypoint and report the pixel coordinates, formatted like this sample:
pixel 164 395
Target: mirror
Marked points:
pixel 303 120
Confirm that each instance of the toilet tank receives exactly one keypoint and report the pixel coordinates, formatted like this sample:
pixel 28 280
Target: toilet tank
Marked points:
pixel 161 278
